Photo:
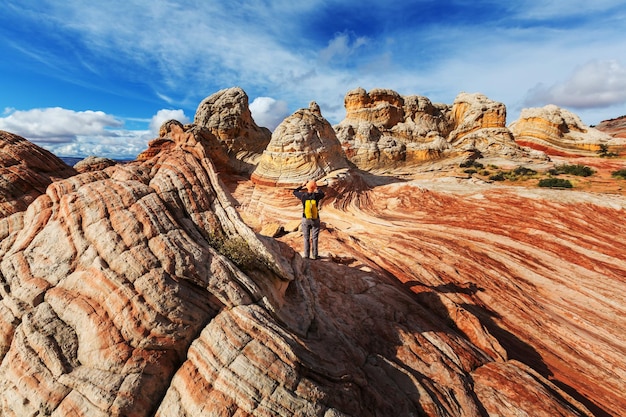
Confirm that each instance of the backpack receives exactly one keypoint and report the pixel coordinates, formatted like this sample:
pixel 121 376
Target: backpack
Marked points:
pixel 310 208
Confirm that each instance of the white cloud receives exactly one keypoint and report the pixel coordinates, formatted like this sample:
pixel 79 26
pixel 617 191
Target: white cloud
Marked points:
pixel 124 145
pixel 58 125
pixel 184 53
pixel 268 112
pixel 595 84
pixel 341 47
pixel 163 116
pixel 77 133
pixel 547 9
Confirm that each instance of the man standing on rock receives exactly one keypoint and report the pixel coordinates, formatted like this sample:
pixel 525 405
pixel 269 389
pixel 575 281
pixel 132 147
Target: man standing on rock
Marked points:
pixel 310 216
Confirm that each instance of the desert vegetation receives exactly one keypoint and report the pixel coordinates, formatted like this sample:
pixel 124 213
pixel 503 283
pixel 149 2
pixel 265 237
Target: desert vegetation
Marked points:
pixel 620 173
pixel 522 173
pixel 555 183
pixel 575 169
pixel 604 151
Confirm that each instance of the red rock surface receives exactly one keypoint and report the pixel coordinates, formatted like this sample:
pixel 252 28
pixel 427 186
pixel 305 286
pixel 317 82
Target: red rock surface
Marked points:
pixel 542 271
pixel 25 172
pixel 614 127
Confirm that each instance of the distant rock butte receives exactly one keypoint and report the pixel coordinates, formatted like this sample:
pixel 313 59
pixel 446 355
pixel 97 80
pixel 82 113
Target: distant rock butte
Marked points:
pixel 557 131
pixel 303 147
pixel 25 172
pixel 479 124
pixel 383 129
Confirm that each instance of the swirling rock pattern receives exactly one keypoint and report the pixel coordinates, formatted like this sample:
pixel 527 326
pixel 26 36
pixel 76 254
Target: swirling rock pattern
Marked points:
pixel 534 278
pixel 109 276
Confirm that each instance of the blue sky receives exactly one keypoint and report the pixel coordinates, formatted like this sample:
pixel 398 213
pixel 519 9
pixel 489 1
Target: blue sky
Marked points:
pixel 81 79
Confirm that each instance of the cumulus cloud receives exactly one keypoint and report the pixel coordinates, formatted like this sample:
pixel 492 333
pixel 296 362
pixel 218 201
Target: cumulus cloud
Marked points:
pixel 58 125
pixel 595 84
pixel 163 116
pixel 268 112
pixel 120 145
pixel 82 133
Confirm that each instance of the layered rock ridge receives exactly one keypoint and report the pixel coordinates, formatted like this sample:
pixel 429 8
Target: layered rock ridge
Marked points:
pixel 25 171
pixel 303 147
pixel 109 276
pixel 560 132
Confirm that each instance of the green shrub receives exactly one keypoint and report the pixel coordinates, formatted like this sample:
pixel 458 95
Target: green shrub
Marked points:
pixel 470 164
pixel 234 248
pixel 555 183
pixel 497 177
pixel 621 173
pixel 578 169
pixel 521 171
pixel 237 250
pixel 604 151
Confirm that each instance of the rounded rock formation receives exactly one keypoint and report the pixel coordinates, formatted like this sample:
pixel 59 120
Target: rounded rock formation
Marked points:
pixel 226 115
pixel 93 163
pixel 560 132
pixel 303 147
pixel 172 133
pixel 480 125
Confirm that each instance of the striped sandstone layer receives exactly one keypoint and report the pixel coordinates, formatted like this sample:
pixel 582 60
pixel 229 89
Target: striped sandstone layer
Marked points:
pixel 557 131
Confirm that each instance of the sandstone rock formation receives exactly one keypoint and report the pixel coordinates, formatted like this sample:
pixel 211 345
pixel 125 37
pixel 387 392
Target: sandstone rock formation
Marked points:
pixel 303 147
pixel 540 272
pixel 110 275
pixel 479 124
pixel 25 172
pixel 93 163
pixel 172 132
pixel 227 116
pixel 614 127
pixel 560 132
pixel 383 129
